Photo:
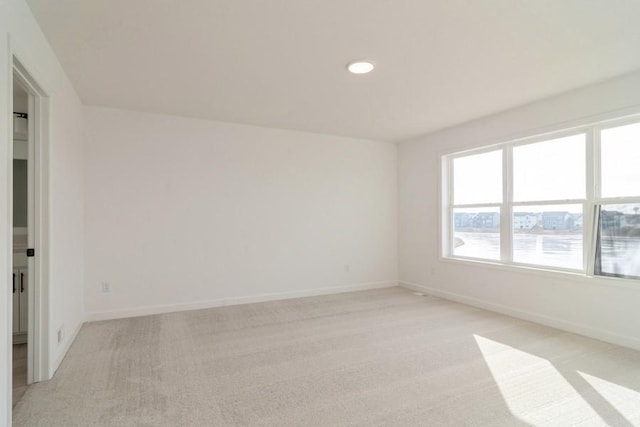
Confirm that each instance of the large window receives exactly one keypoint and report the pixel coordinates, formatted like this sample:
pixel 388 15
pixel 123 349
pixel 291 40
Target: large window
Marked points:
pixel 569 201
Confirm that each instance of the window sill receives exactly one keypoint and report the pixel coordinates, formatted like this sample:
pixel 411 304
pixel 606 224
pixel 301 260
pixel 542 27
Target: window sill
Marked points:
pixel 573 276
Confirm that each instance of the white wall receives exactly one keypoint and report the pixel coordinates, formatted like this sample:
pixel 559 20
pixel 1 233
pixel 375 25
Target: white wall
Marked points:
pixel 66 187
pixel 606 309
pixel 184 213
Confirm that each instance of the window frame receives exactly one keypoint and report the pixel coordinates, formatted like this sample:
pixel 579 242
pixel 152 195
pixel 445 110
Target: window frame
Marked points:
pixel 597 249
pixel 453 206
pixel 600 201
pixel 590 203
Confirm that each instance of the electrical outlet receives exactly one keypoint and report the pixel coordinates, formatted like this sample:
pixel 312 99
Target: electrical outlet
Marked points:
pixel 106 287
pixel 60 334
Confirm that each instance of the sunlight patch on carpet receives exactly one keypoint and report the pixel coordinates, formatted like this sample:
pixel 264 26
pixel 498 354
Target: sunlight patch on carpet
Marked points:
pixel 625 400
pixel 532 387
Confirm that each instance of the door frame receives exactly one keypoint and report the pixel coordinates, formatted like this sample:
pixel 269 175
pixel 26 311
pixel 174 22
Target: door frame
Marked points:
pixel 38 220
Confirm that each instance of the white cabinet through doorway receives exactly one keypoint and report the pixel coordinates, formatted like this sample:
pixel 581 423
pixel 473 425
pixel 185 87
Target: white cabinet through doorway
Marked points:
pixel 20 300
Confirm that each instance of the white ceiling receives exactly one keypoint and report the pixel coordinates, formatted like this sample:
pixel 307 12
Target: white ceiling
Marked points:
pixel 281 63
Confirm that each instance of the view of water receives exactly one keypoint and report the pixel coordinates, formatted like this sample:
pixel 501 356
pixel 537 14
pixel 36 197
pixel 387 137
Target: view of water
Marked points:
pixel 619 255
pixel 478 245
pixel 553 250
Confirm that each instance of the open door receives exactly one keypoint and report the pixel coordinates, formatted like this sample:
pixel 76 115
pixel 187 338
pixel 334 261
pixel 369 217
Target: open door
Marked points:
pixel 30 258
pixel 22 192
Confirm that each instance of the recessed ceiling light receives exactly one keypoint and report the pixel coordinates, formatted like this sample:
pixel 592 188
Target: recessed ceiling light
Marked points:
pixel 360 67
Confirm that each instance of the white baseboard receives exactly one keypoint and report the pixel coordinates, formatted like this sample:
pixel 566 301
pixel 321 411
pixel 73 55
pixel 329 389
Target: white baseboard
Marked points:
pixel 588 331
pixel 159 309
pixel 65 348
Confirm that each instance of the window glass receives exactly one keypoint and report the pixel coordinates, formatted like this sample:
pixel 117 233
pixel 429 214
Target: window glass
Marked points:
pixel 476 232
pixel 620 161
pixel 550 170
pixel 478 178
pixel 618 251
pixel 549 235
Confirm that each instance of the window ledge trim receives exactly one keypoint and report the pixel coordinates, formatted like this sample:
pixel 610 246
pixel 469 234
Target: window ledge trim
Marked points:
pixel 572 276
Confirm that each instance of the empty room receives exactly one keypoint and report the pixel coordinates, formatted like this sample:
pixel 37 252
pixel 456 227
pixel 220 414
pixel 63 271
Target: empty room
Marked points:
pixel 320 213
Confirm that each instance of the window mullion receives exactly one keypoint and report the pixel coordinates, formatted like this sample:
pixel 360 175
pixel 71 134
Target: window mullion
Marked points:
pixel 447 200
pixel 592 184
pixel 506 251
pixel 595 188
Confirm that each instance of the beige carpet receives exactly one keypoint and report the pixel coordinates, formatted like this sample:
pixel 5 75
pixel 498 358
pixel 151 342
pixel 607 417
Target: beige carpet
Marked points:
pixel 376 358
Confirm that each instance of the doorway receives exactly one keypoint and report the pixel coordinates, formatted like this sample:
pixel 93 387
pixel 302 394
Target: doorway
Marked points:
pixel 21 206
pixel 29 255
